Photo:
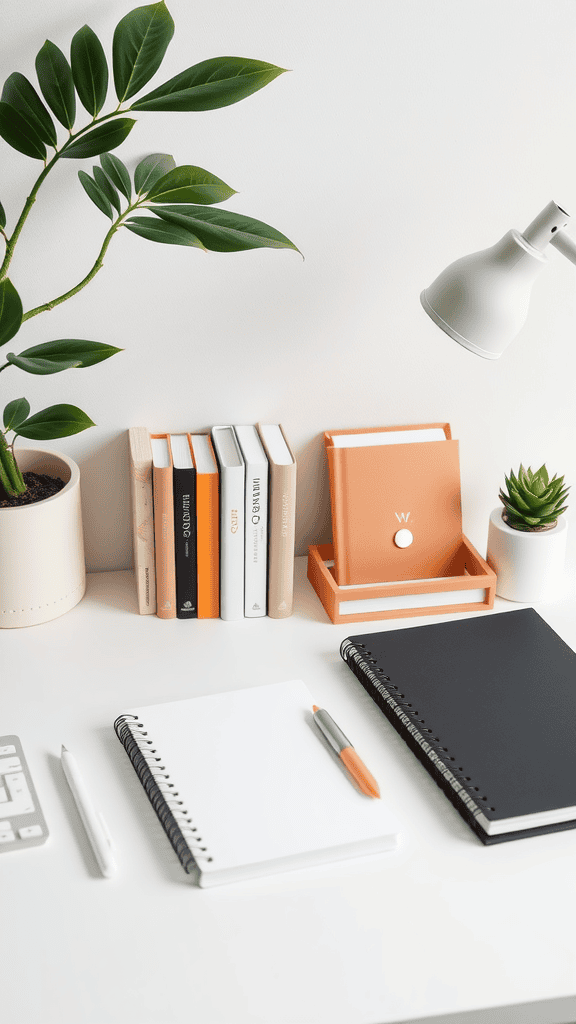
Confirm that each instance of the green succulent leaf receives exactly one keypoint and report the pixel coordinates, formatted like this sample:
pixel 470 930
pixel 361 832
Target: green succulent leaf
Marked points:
pixel 107 188
pixel 224 231
pixel 15 413
pixel 19 93
pixel 140 41
pixel 151 169
pixel 99 140
pixel 56 82
pixel 213 83
pixel 89 69
pixel 2 217
pixel 189 184
pixel 55 421
pixel 95 194
pixel 158 231
pixel 10 311
pixel 17 131
pixel 53 356
pixel 117 172
pixel 533 499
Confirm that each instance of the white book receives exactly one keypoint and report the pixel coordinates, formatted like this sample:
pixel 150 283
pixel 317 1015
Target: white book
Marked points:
pixel 255 788
pixel 256 521
pixel 232 472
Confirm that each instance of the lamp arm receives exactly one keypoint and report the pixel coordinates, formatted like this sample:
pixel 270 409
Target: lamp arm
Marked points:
pixel 565 245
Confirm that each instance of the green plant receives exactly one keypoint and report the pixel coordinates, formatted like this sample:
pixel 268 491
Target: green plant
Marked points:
pixel 180 198
pixel 533 501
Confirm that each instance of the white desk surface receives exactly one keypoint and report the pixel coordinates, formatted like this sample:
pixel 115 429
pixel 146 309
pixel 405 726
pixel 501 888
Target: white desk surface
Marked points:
pixel 443 926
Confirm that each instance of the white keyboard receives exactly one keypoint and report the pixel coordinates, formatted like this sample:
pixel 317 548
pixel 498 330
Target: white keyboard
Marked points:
pixel 21 820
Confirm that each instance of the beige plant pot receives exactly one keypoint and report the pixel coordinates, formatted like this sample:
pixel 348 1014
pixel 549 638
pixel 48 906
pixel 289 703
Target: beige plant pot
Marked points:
pixel 529 566
pixel 42 569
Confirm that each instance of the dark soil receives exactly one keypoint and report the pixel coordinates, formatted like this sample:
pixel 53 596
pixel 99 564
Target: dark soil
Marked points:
pixel 39 486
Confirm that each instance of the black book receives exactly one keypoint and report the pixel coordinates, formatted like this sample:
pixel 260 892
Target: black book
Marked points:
pixel 185 532
pixel 488 705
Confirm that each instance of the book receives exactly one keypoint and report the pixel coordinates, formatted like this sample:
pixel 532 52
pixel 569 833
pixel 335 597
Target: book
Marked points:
pixel 140 463
pixel 395 501
pixel 488 705
pixel 255 519
pixel 184 493
pixel 281 519
pixel 254 788
pixel 231 466
pixel 163 526
pixel 207 526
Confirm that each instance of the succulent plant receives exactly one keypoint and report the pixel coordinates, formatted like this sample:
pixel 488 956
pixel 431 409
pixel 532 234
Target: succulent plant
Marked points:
pixel 533 501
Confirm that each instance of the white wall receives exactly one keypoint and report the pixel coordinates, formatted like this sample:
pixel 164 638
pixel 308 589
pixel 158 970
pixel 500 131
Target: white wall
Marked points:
pixel 407 133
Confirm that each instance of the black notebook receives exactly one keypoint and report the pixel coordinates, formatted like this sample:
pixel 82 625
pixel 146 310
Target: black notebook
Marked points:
pixel 488 705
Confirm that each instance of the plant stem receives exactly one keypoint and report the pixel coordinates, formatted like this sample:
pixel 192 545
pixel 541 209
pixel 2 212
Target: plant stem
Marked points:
pixel 10 476
pixel 11 242
pixel 81 284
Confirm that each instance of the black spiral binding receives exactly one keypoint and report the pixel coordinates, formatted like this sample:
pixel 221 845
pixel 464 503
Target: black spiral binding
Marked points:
pixel 415 733
pixel 173 816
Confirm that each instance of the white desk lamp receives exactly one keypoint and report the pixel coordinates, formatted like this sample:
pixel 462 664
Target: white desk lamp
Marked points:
pixel 482 300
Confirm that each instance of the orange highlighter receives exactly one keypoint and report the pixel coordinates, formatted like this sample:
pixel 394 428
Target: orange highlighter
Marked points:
pixel 338 741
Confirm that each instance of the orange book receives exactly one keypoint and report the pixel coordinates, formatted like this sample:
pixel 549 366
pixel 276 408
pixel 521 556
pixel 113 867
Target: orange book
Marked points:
pixel 395 495
pixel 164 526
pixel 207 525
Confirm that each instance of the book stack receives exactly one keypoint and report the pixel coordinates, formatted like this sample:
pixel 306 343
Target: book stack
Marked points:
pixel 213 519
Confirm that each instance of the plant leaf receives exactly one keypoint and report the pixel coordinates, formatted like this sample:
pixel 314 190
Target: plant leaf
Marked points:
pixel 77 351
pixel 106 187
pixel 117 173
pixel 22 95
pixel 151 169
pixel 156 231
pixel 189 184
pixel 224 231
pixel 2 217
pixel 99 140
pixel 10 311
pixel 15 413
pixel 140 41
pixel 55 421
pixel 89 69
pixel 213 83
pixel 95 194
pixel 56 82
pixel 40 366
pixel 17 131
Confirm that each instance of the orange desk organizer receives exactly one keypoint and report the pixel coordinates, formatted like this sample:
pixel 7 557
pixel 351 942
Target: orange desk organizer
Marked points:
pixel 429 576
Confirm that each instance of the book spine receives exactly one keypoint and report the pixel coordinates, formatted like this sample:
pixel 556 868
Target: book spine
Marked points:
pixel 337 484
pixel 164 538
pixel 387 696
pixel 174 818
pixel 232 542
pixel 281 533
pixel 143 534
pixel 208 545
pixel 256 540
pixel 184 492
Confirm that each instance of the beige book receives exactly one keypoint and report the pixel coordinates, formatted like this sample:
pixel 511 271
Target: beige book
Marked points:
pixel 281 520
pixel 140 457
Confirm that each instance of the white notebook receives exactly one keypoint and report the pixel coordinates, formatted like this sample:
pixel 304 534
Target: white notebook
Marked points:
pixel 245 785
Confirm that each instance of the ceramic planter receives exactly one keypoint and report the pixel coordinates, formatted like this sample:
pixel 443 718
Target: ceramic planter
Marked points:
pixel 42 569
pixel 529 566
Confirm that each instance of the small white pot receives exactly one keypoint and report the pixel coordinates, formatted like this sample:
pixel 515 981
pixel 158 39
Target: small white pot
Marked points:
pixel 529 566
pixel 42 569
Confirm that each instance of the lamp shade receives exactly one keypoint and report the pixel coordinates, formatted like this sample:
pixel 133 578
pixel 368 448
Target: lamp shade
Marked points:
pixel 482 300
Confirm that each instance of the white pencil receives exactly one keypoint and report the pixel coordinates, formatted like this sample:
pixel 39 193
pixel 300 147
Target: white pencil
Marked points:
pixel 93 822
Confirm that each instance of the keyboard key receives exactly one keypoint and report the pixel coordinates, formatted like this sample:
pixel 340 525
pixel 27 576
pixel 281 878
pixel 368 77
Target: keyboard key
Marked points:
pixel 29 831
pixel 7 750
pixel 7 837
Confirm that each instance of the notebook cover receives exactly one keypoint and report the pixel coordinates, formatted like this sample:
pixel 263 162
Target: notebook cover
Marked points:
pixel 377 490
pixel 255 788
pixel 488 701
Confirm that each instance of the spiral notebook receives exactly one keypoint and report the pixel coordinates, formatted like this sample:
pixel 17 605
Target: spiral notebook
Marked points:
pixel 244 784
pixel 488 705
